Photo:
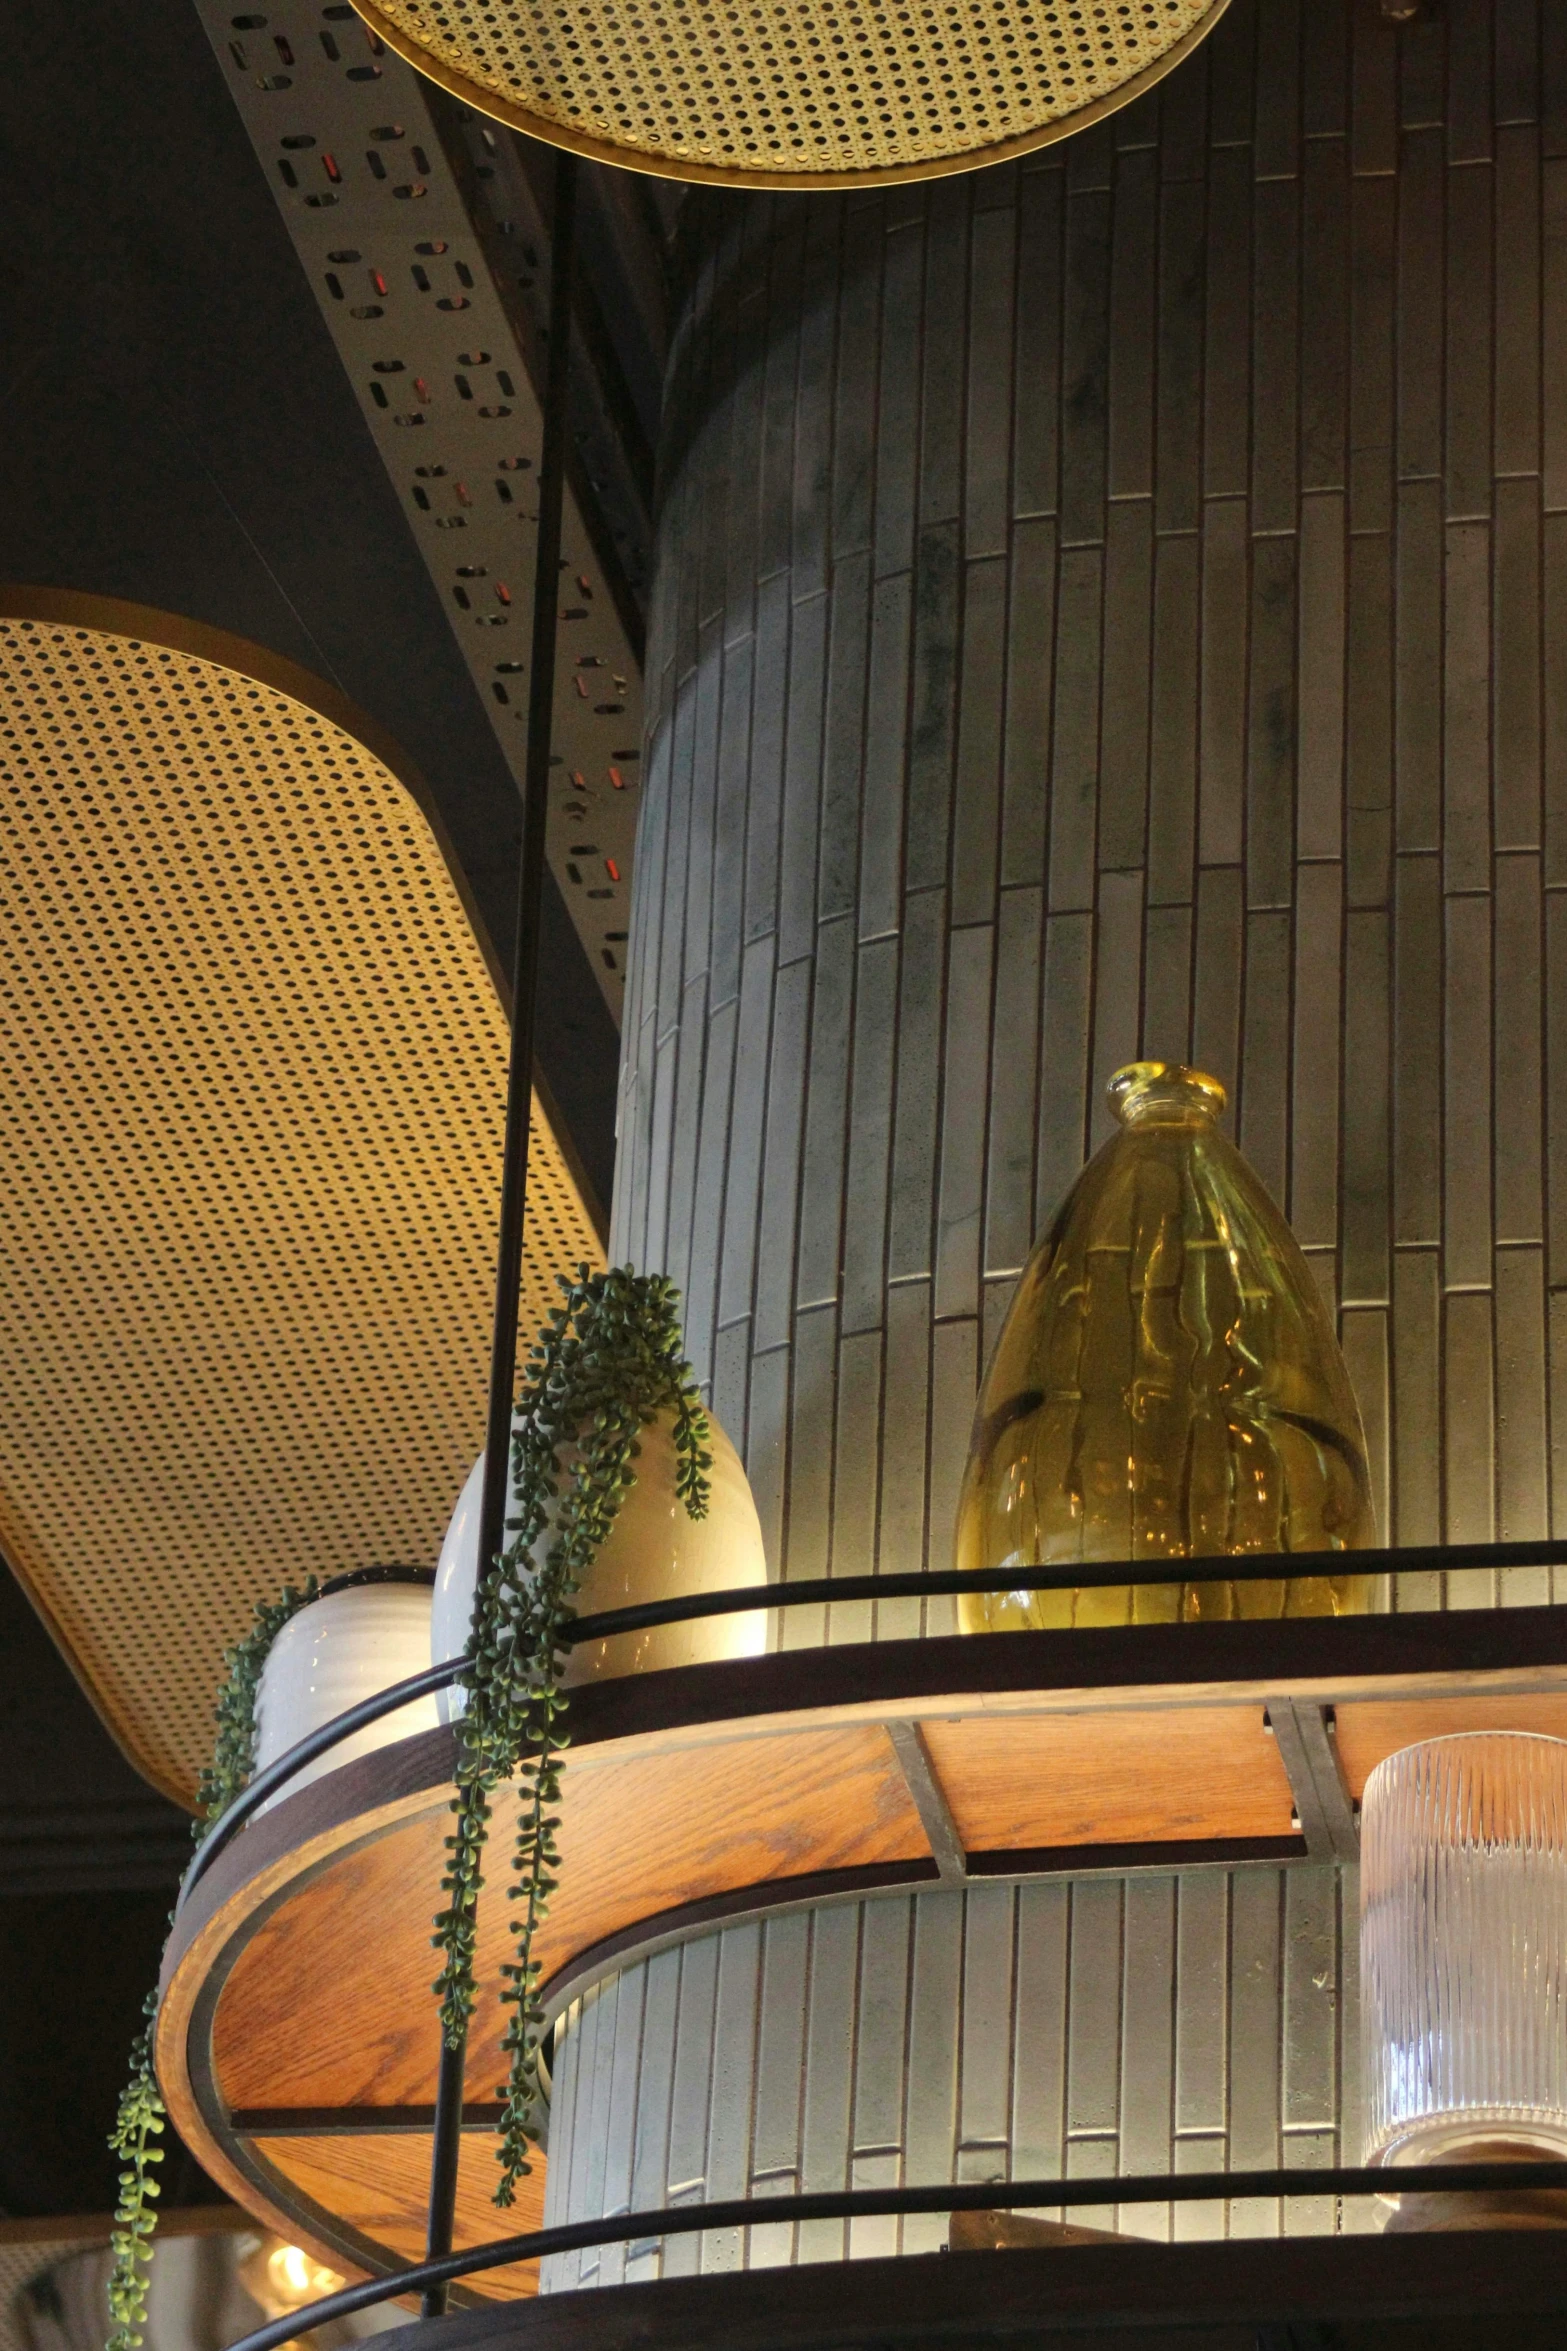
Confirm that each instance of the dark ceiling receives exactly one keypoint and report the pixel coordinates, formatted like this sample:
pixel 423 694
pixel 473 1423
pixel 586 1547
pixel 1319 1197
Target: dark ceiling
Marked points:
pixel 178 432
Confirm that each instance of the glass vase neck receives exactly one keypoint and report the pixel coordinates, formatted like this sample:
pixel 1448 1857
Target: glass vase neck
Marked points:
pixel 1165 1094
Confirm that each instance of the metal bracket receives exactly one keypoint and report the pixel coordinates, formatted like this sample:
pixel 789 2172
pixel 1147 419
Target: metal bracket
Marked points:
pixel 930 1801
pixel 1308 1750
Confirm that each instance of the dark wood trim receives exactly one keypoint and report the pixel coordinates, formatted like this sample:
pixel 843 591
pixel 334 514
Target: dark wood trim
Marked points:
pixel 1444 1648
pixel 351 2122
pixel 1109 2294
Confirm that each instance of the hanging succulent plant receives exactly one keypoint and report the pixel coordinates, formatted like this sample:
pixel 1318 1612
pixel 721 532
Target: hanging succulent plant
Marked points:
pixel 608 1362
pixel 140 2120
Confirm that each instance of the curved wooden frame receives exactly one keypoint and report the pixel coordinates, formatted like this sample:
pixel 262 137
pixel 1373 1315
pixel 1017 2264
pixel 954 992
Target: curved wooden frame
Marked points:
pixel 554 134
pixel 322 1906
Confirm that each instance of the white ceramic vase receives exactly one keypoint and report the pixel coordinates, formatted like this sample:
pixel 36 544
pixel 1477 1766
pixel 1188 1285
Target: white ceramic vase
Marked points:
pixel 359 1637
pixel 654 1552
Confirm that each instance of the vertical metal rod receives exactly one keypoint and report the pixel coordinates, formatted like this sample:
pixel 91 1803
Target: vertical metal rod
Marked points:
pixel 447 2139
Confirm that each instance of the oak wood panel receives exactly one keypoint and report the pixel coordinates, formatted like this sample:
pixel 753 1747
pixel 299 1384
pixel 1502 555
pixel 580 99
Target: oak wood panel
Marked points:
pixel 1126 1778
pixel 329 2004
pixel 1370 1729
pixel 379 2185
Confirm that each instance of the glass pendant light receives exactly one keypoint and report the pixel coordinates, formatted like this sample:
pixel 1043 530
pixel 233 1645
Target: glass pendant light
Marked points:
pixel 1167 1385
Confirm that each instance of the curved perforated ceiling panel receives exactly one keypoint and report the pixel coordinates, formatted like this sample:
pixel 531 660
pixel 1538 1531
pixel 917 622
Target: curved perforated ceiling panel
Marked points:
pixel 794 91
pixel 253 1069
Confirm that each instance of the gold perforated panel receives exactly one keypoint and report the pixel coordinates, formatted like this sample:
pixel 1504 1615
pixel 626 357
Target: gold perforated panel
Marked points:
pixel 253 1073
pixel 795 91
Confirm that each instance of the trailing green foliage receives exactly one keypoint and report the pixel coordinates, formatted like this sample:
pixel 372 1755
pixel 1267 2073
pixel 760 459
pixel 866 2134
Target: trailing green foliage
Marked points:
pixel 607 1363
pixel 138 2125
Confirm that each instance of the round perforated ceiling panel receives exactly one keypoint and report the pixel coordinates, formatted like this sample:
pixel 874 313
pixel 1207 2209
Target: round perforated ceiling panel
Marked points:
pixel 795 93
pixel 253 1068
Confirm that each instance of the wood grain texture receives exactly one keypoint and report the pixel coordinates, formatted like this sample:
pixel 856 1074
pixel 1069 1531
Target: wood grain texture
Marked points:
pixel 1123 1778
pixel 1371 1730
pixel 380 2187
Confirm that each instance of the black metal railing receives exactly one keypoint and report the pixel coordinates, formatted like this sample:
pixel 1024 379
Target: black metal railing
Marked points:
pixel 431 2277
pixel 748 2212
pixel 841 1591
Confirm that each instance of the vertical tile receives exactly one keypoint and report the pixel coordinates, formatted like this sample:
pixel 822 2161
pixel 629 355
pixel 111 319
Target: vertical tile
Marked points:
pixel 1009 1158
pixel 1128 616
pixel 921 979
pixel 981 703
pixel 1255 2034
pixel 1172 764
pixel 1063 1069
pixel 1417 666
pixel 1037 2121
pixel 1364 1334
pixel 1075 750
pixel 1422 190
pixel 1148 2042
pixel 1093 2085
pixel 1202 2003
pixel 1365 1271
pixel 985 2106
pixel 1320 812
pixel 1275 356
pixel 1516 667
pixel 1167 984
pixel 1466 818
pixel 931 2078
pixel 1468 457
pixel 829 2070
pixel 1324 324
pixel 1036 393
pixel 1030 682
pixel 966 1075
pixel 1227 341
pixel 732 2091
pixel 1313 1201
pixel 988 439
pixel 1272 724
pixel 1466 1174
pixel 1518 1041
pixel 1469 1448
pixel 1117 993
pixel 781 1150
pixel 1369 752
pixel 1263 1123
pixel 1132 325
pixel 1417 1413
pixel 1085 367
pixel 826 1100
pixel 1224 599
pixel 1217 975
pixel 886 751
pixel 1522 1486
pixel 1518 301
pixel 1178 417
pixel 870 1136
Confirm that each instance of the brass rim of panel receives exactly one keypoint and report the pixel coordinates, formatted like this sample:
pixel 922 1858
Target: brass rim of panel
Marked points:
pixel 636 159
pixel 256 1065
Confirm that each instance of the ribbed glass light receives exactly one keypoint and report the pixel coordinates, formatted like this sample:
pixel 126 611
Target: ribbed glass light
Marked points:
pixel 1463 1942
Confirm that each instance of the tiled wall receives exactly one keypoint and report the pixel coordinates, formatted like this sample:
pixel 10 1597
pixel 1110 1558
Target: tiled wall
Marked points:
pixel 1030 2032
pixel 1118 604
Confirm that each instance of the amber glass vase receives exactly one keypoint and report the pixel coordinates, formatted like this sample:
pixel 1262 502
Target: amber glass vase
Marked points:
pixel 1167 1385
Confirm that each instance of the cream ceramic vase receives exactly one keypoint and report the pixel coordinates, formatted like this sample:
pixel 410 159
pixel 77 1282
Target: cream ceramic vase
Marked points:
pixel 364 1633
pixel 655 1551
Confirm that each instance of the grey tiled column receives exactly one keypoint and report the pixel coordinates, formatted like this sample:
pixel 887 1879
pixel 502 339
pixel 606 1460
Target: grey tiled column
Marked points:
pixel 1118 604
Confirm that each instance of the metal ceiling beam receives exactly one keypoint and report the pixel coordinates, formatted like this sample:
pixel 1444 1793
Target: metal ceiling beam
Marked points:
pixel 352 153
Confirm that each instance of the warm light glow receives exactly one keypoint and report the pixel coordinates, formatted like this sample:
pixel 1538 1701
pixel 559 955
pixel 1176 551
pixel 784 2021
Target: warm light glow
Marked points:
pixel 297 2278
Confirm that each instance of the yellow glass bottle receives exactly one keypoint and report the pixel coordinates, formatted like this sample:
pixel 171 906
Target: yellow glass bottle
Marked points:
pixel 1167 1385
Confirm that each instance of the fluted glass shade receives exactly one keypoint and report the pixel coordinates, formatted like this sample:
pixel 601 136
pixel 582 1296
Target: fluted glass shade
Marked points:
pixel 1463 1946
pixel 1167 1385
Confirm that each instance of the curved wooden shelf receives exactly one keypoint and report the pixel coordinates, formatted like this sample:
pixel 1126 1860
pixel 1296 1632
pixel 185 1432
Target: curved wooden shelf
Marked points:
pixel 297 2041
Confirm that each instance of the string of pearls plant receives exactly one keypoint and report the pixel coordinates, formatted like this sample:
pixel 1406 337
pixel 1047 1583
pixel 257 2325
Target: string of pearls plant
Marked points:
pixel 139 2122
pixel 609 1361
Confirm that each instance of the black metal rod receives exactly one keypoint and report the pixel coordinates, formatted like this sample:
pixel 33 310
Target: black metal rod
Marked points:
pixel 446 2140
pixel 1081 1575
pixel 741 2212
pixel 820 1591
